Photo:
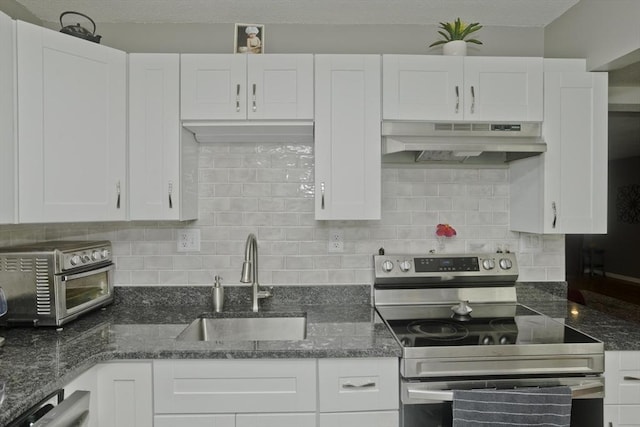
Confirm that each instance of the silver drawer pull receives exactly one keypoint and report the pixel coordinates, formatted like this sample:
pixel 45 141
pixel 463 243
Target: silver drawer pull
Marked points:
pixel 629 378
pixel 364 385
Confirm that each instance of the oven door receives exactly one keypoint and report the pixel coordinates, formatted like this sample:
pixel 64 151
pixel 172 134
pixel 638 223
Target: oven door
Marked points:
pixel 79 292
pixel 429 404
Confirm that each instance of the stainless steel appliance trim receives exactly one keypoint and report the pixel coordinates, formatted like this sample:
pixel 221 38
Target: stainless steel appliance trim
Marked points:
pixel 421 392
pixel 504 294
pixel 526 363
pixel 72 411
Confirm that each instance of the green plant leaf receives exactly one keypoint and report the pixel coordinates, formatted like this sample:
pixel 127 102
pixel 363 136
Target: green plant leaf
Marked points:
pixel 436 43
pixel 474 41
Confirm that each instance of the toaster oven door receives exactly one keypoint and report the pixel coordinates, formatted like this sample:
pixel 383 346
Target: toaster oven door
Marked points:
pixel 83 291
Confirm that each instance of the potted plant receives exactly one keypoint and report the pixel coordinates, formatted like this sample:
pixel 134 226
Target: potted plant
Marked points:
pixel 454 35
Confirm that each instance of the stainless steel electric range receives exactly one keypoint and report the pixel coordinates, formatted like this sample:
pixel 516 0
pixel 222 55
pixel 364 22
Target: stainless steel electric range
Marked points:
pixel 460 327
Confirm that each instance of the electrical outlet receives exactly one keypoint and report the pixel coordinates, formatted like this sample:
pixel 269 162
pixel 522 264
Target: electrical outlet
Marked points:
pixel 336 240
pixel 189 240
pixel 530 243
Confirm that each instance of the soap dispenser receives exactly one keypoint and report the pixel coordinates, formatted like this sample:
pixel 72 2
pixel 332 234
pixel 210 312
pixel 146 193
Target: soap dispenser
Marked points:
pixel 218 294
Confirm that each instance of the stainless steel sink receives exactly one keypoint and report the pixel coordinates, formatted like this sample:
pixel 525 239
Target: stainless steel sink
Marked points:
pixel 247 327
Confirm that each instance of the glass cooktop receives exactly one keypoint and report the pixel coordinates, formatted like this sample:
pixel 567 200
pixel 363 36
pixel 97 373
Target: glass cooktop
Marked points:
pixel 486 324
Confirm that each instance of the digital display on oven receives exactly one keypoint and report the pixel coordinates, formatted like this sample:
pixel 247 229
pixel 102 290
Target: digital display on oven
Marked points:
pixel 434 265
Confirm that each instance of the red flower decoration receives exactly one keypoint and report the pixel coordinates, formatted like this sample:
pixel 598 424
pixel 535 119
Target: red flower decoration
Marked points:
pixel 445 230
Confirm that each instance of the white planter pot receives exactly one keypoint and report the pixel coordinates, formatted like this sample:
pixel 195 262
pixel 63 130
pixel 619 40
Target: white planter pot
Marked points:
pixel 455 48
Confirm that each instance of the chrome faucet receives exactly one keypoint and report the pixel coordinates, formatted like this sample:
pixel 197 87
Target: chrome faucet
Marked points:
pixel 250 271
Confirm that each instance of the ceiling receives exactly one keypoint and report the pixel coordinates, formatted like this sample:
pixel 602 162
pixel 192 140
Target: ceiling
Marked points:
pixel 521 13
pixel 624 129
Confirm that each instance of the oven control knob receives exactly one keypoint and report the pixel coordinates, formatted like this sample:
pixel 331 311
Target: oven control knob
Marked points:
pixel 95 256
pixel 104 253
pixel 488 264
pixel 506 264
pixel 85 258
pixel 504 340
pixel 387 266
pixel 487 340
pixel 405 266
pixel 75 260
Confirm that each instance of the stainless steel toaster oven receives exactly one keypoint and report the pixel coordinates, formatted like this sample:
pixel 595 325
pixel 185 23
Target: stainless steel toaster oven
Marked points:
pixel 51 283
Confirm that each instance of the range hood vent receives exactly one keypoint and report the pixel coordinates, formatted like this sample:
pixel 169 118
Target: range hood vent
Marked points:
pixel 293 131
pixel 460 143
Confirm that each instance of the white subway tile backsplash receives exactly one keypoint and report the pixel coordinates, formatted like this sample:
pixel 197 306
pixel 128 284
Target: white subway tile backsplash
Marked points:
pixel 268 189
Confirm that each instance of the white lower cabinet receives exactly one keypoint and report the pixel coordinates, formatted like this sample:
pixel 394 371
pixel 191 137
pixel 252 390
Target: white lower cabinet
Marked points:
pixel 121 394
pixel 622 389
pixel 276 393
pixel 358 392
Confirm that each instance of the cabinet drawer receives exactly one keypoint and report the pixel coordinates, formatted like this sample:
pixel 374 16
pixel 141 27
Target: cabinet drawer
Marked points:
pixel 369 419
pixel 209 420
pixel 276 420
pixel 228 386
pixel 622 377
pixel 358 384
pixel 621 415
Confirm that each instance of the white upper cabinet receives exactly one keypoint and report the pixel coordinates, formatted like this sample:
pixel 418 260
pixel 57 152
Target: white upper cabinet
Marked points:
pixel 8 141
pixel 163 158
pixel 347 137
pixel 71 128
pixel 241 87
pixel 452 88
pixel 564 190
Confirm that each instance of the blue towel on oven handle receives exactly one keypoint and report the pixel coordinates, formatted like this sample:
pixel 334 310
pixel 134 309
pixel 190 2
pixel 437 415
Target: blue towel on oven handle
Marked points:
pixel 520 407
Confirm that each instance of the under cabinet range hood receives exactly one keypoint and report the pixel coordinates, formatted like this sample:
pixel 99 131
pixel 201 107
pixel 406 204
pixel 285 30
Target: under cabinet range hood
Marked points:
pixel 460 143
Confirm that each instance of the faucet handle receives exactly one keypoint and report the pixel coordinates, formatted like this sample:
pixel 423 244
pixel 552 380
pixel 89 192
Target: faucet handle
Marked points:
pixel 217 281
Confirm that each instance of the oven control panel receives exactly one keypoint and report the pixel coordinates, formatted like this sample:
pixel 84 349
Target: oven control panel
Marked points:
pixel 446 267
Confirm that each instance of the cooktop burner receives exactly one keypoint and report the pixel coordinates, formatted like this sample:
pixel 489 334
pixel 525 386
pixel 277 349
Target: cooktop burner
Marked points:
pixel 438 330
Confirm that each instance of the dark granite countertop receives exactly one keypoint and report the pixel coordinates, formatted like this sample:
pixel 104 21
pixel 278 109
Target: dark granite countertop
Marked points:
pixel 549 298
pixel 144 321
pixel 36 361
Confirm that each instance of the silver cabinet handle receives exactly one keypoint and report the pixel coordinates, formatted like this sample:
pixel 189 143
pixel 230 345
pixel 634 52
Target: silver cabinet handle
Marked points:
pixel 457 99
pixel 238 97
pixel 364 385
pixel 170 195
pixel 118 199
pixel 555 214
pixel 629 378
pixel 255 107
pixel 473 100
pixel 322 195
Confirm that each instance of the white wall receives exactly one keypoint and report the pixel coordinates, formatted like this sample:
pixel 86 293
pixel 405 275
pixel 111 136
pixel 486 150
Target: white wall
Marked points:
pixel 605 32
pixel 268 189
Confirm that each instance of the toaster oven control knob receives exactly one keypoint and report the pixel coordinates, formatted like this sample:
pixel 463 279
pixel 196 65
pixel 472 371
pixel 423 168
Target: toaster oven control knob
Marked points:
pixel 75 260
pixel 387 266
pixel 506 264
pixel 488 264
pixel 405 266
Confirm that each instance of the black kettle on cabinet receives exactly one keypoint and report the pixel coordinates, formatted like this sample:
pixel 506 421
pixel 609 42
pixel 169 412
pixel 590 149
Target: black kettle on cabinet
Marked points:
pixel 78 30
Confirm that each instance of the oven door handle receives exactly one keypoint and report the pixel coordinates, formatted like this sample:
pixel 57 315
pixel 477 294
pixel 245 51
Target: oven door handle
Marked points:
pixel 67 277
pixel 577 391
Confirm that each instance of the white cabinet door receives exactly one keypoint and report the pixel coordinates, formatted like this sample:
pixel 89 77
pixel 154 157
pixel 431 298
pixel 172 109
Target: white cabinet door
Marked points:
pixel 369 419
pixel 347 137
pixel 504 88
pixel 195 420
pixel 125 394
pixel 419 87
pixel 71 128
pixel 232 386
pixel 239 87
pixel 280 87
pixel 8 141
pixel 276 420
pixel 565 190
pixel 158 158
pixel 213 86
pixel 369 384
pixel 481 89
